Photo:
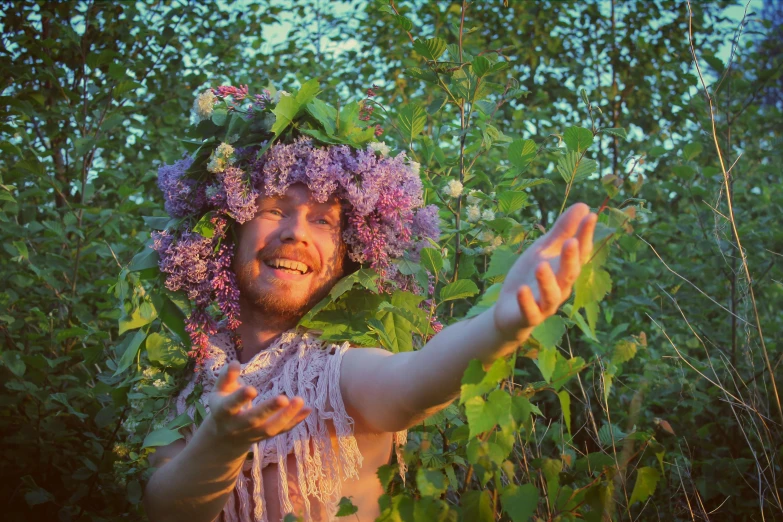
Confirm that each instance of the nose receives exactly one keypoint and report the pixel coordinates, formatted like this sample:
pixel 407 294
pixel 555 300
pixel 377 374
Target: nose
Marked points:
pixel 295 229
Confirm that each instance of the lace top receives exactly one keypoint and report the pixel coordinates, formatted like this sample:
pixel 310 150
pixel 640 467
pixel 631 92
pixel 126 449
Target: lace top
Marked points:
pixel 296 364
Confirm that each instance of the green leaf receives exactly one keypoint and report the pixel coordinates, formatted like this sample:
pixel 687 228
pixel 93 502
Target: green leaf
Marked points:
pixel 565 406
pixel 503 258
pixel 646 482
pixel 411 120
pixel 615 131
pixel 147 258
pixel 431 259
pixel 510 202
pixel 477 506
pixel 285 111
pixel 345 508
pixel 125 86
pixel 62 398
pixel 578 139
pixel 571 167
pixel 38 496
pixel 324 113
pixel 399 331
pixel 403 22
pixel 219 116
pixel 13 361
pixel 131 349
pixel 610 435
pixel 521 153
pixel 431 482
pixel 685 172
pixel 205 227
pixel 547 359
pixel 236 128
pixel 172 316
pixel 480 66
pixel 595 461
pixel 565 370
pixel 477 382
pixel 591 286
pixel 550 331
pixel 460 289
pixel 162 437
pixel 624 351
pixel 430 49
pixel 520 502
pixel 307 92
pixel 488 298
pixel 485 415
pixel 138 318
pixel 163 350
pixel 691 150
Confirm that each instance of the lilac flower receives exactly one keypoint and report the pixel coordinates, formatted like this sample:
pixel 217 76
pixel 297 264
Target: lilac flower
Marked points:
pixel 239 198
pixel 182 197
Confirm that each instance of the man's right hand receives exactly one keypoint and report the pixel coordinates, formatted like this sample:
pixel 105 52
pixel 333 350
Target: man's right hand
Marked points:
pixel 237 423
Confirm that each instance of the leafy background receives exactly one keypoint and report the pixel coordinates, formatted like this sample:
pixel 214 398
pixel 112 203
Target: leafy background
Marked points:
pixel 650 396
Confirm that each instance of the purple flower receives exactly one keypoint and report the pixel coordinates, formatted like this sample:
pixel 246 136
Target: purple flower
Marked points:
pixel 183 197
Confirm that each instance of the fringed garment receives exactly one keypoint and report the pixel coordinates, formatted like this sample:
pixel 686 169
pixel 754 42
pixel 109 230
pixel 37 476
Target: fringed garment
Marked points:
pixel 296 364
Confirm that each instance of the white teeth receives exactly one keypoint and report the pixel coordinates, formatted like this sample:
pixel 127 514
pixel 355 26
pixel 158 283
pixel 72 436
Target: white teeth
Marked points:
pixel 289 264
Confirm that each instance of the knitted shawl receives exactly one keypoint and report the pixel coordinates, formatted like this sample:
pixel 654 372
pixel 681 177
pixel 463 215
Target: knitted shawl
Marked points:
pixel 296 364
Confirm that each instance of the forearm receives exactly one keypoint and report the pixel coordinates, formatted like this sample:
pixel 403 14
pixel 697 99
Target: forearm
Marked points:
pixel 433 375
pixel 195 485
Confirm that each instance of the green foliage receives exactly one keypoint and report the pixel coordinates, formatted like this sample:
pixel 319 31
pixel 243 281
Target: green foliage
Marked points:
pixel 653 374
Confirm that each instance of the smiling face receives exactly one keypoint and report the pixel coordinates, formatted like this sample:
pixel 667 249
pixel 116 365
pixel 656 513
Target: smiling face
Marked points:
pixel 290 254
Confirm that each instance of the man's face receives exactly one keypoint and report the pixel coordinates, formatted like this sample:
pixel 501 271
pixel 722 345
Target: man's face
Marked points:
pixel 290 254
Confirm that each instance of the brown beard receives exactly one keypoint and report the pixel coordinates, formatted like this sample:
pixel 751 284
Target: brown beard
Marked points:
pixel 278 304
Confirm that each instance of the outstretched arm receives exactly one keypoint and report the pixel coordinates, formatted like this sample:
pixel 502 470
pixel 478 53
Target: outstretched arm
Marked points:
pixel 390 392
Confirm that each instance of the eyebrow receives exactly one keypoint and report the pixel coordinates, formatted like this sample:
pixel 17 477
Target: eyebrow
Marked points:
pixel 328 205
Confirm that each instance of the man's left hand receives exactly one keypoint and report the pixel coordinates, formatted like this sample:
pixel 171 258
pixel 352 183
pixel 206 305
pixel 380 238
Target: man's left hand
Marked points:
pixel 542 278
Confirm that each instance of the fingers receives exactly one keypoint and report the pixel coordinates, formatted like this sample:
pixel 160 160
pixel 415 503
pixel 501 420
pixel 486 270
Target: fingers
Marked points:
pixel 567 224
pixel 550 298
pixel 528 306
pixel 585 237
pixel 227 380
pixel 277 419
pixel 283 420
pixel 570 266
pixel 237 401
pixel 261 412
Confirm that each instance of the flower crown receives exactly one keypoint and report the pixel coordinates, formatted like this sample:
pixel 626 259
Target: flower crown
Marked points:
pixel 242 147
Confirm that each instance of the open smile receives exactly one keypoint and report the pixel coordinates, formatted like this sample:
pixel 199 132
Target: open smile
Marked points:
pixel 287 268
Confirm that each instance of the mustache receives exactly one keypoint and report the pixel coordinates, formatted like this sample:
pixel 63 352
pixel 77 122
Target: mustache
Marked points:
pixel 289 252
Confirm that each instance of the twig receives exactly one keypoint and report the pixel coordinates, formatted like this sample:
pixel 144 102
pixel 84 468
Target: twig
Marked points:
pixel 731 214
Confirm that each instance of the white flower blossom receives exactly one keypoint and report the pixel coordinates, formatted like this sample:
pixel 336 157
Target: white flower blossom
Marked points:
pixel 379 146
pixel 121 450
pixel 496 242
pixel 159 383
pixel 224 150
pixel 216 164
pixel 415 167
pixel 487 236
pixel 472 198
pixel 149 373
pixel 204 105
pixel 487 215
pixel 453 189
pixel 474 213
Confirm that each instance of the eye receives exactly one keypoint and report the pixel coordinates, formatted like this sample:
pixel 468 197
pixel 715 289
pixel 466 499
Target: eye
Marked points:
pixel 275 212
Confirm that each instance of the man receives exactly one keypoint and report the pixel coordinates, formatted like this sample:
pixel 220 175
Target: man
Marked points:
pixel 382 392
